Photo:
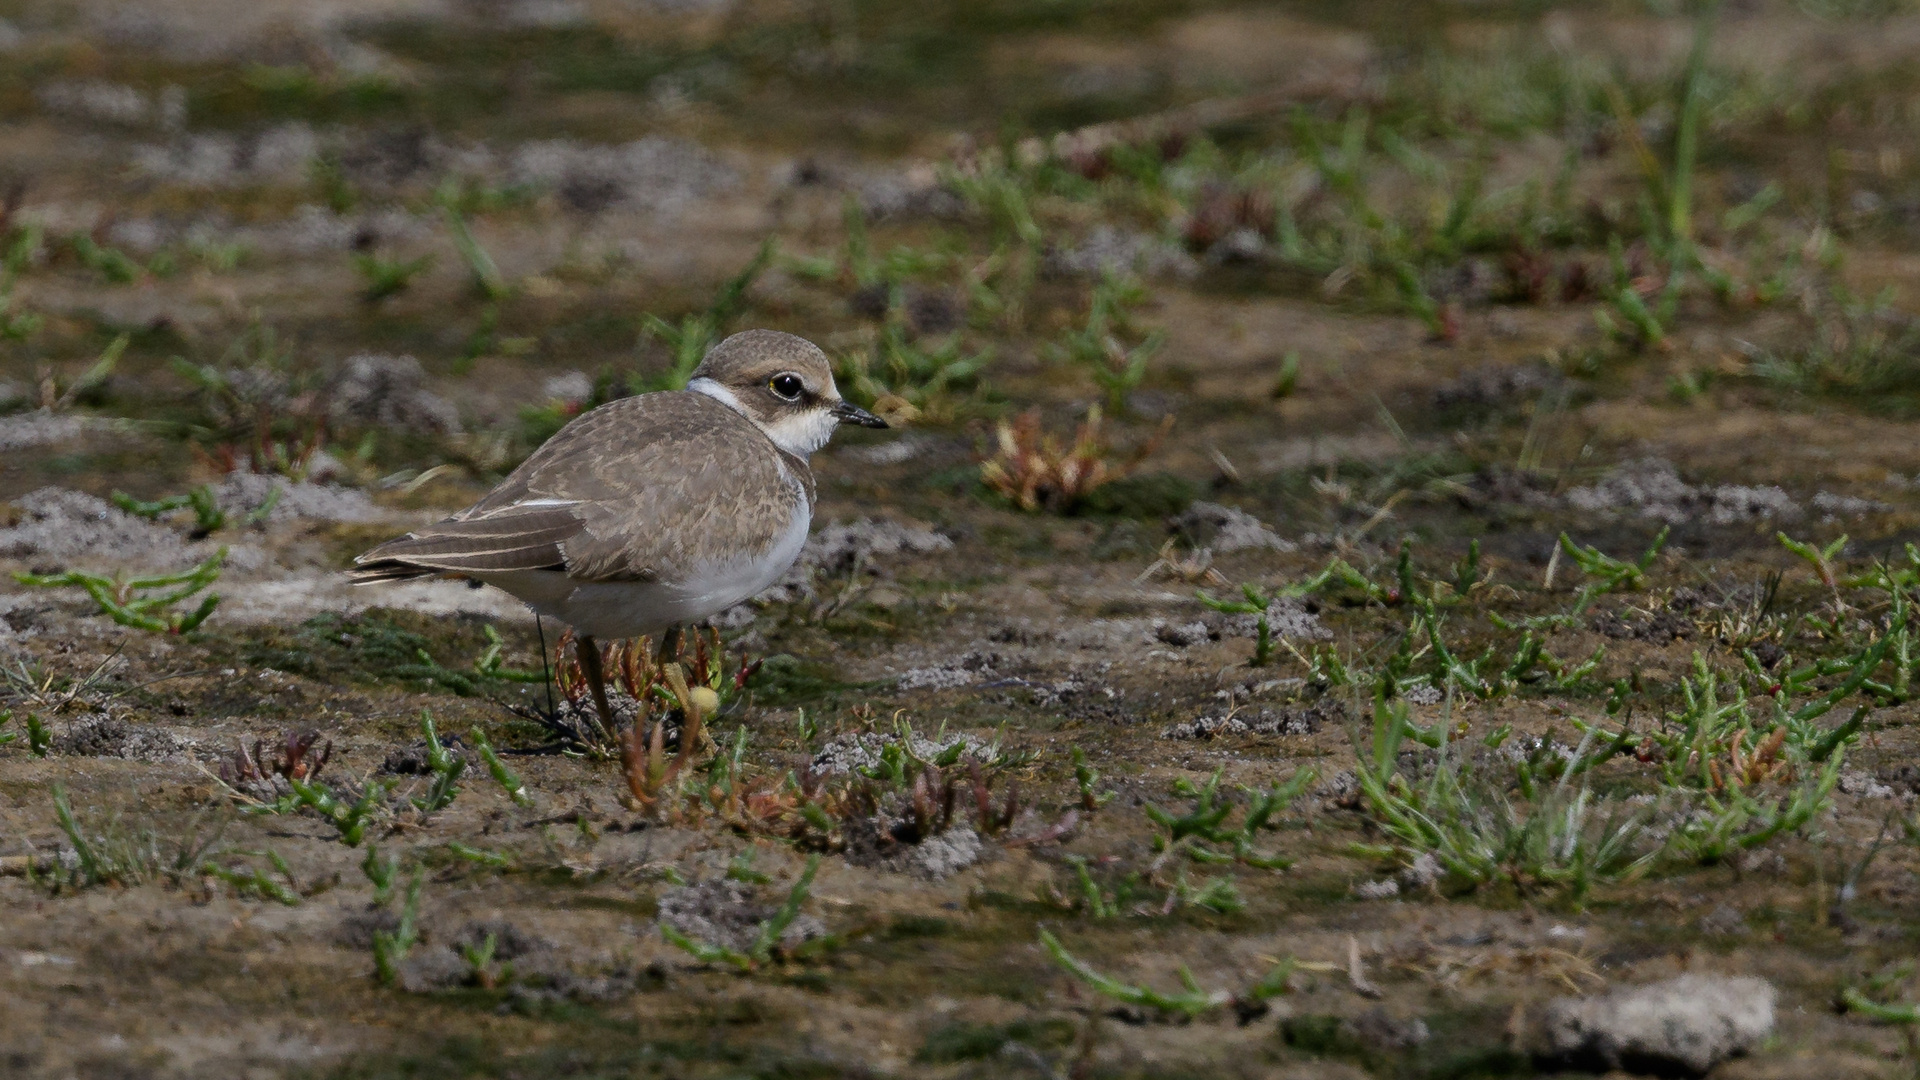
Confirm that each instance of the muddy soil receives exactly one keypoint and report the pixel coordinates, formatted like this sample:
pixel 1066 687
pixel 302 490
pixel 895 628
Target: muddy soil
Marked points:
pixel 346 264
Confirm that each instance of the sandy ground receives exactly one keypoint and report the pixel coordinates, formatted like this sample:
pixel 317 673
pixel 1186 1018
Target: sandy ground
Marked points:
pixel 615 159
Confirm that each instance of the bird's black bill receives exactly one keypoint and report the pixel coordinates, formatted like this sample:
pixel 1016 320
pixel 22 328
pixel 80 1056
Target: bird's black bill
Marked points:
pixel 849 413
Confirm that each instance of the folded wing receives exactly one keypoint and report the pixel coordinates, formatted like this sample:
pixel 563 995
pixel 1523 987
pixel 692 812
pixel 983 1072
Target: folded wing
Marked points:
pixel 513 538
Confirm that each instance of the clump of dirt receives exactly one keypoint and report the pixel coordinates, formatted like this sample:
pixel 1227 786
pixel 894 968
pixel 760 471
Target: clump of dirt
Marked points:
pixel 535 969
pixel 1659 626
pixel 414 760
pixel 1287 617
pixel 1381 1030
pixel 389 159
pixel 1502 485
pixel 1861 785
pixel 1109 249
pixel 373 391
pixel 963 670
pixel 1685 1025
pixel 1374 1036
pixel 1723 920
pixel 1832 508
pixel 58 525
pixel 1422 874
pixel 1206 727
pixel 103 735
pixel 1493 385
pixel 28 430
pixel 726 912
pixel 1903 779
pixel 113 103
pixel 1376 889
pixel 886 840
pixel 1652 488
pixel 510 942
pixel 656 173
pixel 854 751
pixel 241 493
pixel 1181 635
pixel 945 854
pixel 1290 721
pixel 278 153
pixel 22 616
pixel 1224 529
pixel 540 980
pixel 429 969
pixel 845 547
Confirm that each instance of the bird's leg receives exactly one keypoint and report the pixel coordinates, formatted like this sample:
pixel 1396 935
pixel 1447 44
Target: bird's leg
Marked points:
pixel 588 650
pixel 669 645
pixel 546 667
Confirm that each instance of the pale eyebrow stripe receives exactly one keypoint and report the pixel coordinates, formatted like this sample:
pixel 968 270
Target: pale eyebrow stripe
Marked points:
pixel 721 394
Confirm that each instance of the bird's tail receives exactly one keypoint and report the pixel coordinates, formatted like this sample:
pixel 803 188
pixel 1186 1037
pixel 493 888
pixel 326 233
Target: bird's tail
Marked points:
pixel 389 570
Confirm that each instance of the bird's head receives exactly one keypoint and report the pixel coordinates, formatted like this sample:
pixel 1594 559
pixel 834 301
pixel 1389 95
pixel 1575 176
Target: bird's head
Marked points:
pixel 784 384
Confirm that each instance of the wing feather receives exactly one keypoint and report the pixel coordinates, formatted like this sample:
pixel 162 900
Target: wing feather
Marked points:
pixel 513 538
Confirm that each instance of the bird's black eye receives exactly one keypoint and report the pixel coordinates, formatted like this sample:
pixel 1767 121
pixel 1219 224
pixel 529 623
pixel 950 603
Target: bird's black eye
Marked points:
pixel 787 385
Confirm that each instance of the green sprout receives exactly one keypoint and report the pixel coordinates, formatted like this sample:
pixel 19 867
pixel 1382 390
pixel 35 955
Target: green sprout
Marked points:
pixel 114 855
pixel 766 943
pixel 1190 1002
pixel 254 881
pixel 349 818
pixel 111 263
pixel 38 737
pixel 92 379
pixel 1202 832
pixel 94 866
pixel 121 599
pixel 479 960
pixel 207 515
pixel 382 872
pixel 508 780
pixel 1855 1001
pixel 1087 778
pixel 491 663
pixel 491 859
pixel 388 277
pixel 1113 351
pixel 1608 575
pixel 445 767
pixel 1287 379
pixel 390 947
pixel 1820 558
pixel 487 279
pixel 1256 604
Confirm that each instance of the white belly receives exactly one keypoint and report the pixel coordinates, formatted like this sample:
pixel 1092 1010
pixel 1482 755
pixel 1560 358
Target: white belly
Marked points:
pixel 626 609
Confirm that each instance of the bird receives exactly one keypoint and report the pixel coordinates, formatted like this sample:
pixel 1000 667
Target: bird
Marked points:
pixel 652 511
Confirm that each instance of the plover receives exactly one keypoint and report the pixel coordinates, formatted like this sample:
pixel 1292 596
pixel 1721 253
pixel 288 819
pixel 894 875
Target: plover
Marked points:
pixel 651 511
